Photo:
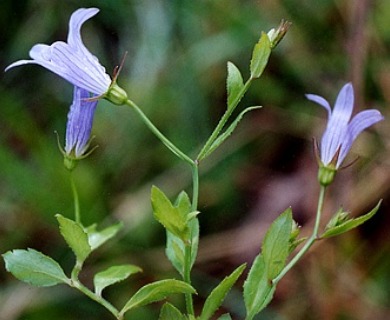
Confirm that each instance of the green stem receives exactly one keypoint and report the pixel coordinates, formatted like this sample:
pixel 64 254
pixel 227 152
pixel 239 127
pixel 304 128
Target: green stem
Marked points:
pixel 75 199
pixel 188 246
pixel 309 241
pixel 79 286
pixel 223 121
pixel 159 135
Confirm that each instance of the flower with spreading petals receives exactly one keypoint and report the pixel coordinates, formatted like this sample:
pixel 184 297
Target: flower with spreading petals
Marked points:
pixel 78 128
pixel 71 60
pixel 341 130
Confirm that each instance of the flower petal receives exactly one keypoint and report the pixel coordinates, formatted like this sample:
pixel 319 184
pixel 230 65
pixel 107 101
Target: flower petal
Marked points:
pixel 321 101
pixel 359 122
pixel 80 120
pixel 336 131
pixel 72 60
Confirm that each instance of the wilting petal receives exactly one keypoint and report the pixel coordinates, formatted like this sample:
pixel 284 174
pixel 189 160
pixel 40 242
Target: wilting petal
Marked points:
pixel 72 61
pixel 80 120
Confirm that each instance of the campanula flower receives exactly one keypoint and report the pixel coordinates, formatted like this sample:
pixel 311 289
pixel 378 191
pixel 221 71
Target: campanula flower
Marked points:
pixel 341 131
pixel 71 60
pixel 79 126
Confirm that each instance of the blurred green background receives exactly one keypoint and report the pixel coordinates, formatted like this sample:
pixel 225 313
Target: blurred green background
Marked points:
pixel 175 70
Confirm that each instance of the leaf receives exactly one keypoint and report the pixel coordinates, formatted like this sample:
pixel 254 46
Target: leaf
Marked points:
pixel 225 316
pixel 276 244
pixel 75 237
pixel 173 218
pixel 222 137
pixel 234 84
pixel 113 275
pixel 34 267
pixel 97 238
pixel 216 297
pixel 258 290
pixel 175 249
pixel 350 224
pixel 156 291
pixel 170 312
pixel 260 56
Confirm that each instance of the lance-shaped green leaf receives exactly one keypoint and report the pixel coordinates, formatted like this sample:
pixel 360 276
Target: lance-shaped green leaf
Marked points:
pixel 75 237
pixel 234 84
pixel 170 312
pixel 260 56
pixel 174 218
pixel 350 224
pixel 97 238
pixel 223 136
pixel 258 289
pixel 156 291
pixel 175 249
pixel 113 275
pixel 34 267
pixel 216 297
pixel 276 244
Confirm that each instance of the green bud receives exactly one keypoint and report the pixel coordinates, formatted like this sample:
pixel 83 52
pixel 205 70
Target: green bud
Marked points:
pixel 116 95
pixel 326 175
pixel 338 218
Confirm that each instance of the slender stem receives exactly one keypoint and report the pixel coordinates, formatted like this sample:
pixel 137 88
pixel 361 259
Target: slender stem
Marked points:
pixel 75 199
pixel 223 121
pixel 309 241
pixel 79 286
pixel 159 135
pixel 195 185
pixel 188 246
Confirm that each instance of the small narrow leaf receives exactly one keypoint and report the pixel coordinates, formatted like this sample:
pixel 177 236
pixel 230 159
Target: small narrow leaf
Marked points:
pixel 75 237
pixel 234 84
pixel 175 248
pixel 97 238
pixel 34 267
pixel 216 297
pixel 258 290
pixel 113 275
pixel 222 137
pixel 260 56
pixel 350 224
pixel 171 217
pixel 170 312
pixel 157 291
pixel 276 244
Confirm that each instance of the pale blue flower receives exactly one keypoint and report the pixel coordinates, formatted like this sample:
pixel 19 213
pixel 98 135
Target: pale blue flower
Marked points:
pixel 79 126
pixel 71 60
pixel 341 131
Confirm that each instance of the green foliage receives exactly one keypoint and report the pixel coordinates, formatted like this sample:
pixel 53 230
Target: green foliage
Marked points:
pixel 170 312
pixel 216 297
pixel 234 84
pixel 35 268
pixel 97 238
pixel 156 291
pixel 341 224
pixel 258 288
pixel 175 248
pixel 113 275
pixel 223 136
pixel 174 218
pixel 260 56
pixel 75 237
pixel 276 244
